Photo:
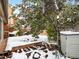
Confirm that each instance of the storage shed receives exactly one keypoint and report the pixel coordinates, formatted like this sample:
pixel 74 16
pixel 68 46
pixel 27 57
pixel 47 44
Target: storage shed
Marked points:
pixel 70 43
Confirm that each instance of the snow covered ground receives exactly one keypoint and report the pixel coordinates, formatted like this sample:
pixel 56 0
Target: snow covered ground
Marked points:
pixel 38 54
pixel 22 40
pixel 31 53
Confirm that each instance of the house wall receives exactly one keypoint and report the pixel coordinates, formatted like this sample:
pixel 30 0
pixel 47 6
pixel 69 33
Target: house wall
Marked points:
pixel 4 16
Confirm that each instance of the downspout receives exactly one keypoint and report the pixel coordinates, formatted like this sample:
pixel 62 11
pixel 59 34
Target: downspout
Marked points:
pixel 2 29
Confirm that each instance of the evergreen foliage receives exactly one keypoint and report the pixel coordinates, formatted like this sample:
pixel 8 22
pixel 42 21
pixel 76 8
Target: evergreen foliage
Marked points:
pixel 42 15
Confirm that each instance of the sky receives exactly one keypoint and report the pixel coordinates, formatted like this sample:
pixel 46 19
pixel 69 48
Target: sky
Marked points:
pixel 14 2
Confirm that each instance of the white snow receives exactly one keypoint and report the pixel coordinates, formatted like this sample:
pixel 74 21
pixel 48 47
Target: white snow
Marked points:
pixel 22 40
pixel 42 56
pixel 26 37
pixel 69 32
pixel 19 56
pixel 14 44
pixel 14 32
pixel 36 55
pixel 43 38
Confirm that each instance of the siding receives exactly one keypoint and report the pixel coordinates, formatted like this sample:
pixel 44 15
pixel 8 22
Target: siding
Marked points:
pixel 4 15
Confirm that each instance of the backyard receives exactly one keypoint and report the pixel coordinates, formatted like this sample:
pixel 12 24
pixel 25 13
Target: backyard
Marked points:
pixel 39 29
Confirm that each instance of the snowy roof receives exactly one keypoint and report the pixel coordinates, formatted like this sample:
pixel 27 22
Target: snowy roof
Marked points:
pixel 69 33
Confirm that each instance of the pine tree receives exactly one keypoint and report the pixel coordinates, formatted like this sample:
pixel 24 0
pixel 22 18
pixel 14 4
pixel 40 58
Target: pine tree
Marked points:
pixel 50 15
